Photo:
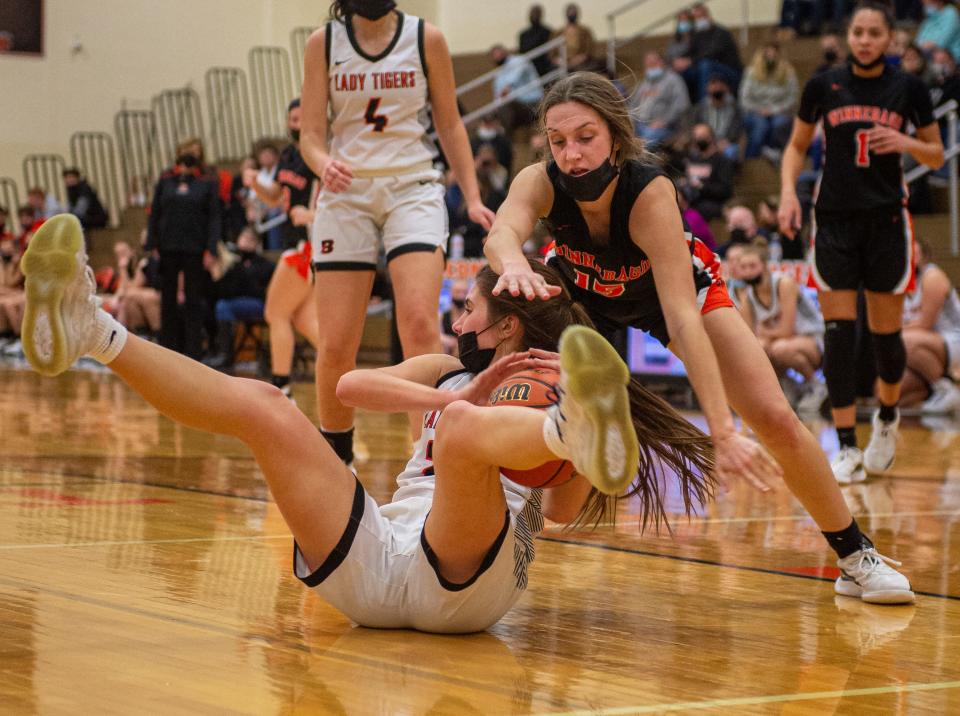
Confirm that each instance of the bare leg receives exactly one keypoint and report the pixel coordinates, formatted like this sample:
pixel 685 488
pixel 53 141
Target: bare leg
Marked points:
pixel 926 353
pixel 417 278
pixel 14 311
pixel 305 321
pixel 286 292
pixel 913 390
pixel 799 353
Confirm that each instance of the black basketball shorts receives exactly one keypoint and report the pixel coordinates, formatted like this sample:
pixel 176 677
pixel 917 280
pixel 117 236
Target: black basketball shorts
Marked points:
pixel 872 249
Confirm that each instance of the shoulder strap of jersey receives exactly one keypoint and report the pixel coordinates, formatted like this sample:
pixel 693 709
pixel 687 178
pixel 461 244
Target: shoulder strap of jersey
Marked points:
pixel 421 31
pixel 328 41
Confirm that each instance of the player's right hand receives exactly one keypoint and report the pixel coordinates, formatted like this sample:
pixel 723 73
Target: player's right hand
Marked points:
pixel 336 176
pixel 737 456
pixel 519 278
pixel 788 215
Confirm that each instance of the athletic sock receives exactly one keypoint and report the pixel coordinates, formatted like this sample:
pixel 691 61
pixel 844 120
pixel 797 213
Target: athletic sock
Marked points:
pixel 108 336
pixel 847 437
pixel 888 413
pixel 341 442
pixel 846 542
pixel 279 381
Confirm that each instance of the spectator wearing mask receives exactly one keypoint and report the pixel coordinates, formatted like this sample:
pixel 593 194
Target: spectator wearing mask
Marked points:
pixel 914 62
pixel 533 37
pixel 579 40
pixel 82 200
pixel 767 96
pixel 491 132
pixel 515 73
pixel 720 111
pixel 491 176
pixel 240 291
pixel 708 174
pixel 741 227
pixel 679 47
pixel 943 80
pixel 713 51
pixel 696 223
pixel 458 303
pixel 834 53
pixel 185 226
pixel 659 102
pixel 940 27
pixel 44 205
pixel 898 45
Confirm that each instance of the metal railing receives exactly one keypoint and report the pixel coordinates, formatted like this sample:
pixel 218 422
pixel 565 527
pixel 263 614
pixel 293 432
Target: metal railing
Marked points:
pixel 228 107
pixel 140 161
pixel 10 200
pixel 93 153
pixel 298 48
pixel 272 88
pixel 948 110
pixel 45 171
pixel 178 117
pixel 613 42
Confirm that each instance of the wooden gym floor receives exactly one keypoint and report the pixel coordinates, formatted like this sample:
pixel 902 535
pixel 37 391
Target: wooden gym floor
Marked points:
pixel 144 569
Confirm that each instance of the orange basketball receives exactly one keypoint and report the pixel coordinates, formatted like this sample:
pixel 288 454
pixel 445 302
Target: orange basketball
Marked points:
pixel 533 389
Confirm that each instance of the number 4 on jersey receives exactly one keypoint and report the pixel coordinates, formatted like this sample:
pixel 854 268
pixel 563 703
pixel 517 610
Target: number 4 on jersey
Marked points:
pixel 862 138
pixel 379 121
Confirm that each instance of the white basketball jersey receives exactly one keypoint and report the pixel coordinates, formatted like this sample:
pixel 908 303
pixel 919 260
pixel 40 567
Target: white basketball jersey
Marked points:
pixel 379 102
pixel 808 321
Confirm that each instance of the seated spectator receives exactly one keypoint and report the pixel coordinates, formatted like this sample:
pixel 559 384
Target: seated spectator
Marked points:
pixel 940 27
pixel 696 223
pixel 944 81
pixel 834 54
pixel 735 282
pixel 11 296
pixel 533 37
pixel 516 73
pixel 659 102
pixel 486 161
pixel 138 300
pixel 240 209
pixel 472 234
pixel 268 218
pixel 240 292
pixel 741 228
pixel 458 301
pixel 44 205
pixel 491 132
pixel 786 321
pixel 898 45
pixel 931 333
pixel 679 46
pixel 112 281
pixel 708 174
pixel 713 51
pixel 720 111
pixel 579 41
pixel 914 62
pixel 29 223
pixel 82 200
pixel 767 96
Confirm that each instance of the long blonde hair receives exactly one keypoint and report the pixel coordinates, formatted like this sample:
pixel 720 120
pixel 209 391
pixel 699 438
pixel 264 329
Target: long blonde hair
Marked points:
pixel 780 74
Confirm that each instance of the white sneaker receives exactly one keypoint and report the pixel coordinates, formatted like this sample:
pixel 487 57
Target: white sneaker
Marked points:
pixel 813 397
pixel 847 466
pixel 944 398
pixel 590 424
pixel 13 349
pixel 61 302
pixel 866 574
pixel 882 449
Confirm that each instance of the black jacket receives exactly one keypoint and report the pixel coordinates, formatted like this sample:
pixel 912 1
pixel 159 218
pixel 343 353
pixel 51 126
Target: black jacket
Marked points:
pixel 248 277
pixel 84 203
pixel 716 43
pixel 186 216
pixel 533 37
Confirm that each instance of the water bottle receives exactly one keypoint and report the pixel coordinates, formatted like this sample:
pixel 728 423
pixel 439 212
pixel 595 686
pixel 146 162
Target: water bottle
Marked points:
pixel 456 246
pixel 775 250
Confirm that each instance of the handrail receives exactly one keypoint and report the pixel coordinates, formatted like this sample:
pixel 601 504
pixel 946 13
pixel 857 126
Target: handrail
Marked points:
pixel 950 157
pixel 543 49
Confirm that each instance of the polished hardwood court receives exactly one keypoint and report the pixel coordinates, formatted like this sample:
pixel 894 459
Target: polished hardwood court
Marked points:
pixel 144 569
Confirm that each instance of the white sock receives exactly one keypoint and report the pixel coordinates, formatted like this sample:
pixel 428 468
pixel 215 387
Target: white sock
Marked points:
pixel 108 338
pixel 551 436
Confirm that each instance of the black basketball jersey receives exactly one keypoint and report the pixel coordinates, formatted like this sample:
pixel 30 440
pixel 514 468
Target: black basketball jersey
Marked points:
pixel 854 178
pixel 613 280
pixel 296 180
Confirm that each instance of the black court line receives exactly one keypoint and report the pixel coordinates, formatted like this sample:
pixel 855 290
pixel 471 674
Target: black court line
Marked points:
pixel 714 563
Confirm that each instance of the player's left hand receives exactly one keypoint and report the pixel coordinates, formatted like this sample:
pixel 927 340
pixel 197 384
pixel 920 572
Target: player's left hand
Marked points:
pixel 479 214
pixel 479 389
pixel 883 140
pixel 545 360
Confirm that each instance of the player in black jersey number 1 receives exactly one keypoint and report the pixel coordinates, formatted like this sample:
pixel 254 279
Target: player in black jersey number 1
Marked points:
pixel 863 235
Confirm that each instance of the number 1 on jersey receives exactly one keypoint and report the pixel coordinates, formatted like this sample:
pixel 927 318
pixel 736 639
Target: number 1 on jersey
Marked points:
pixel 862 138
pixel 379 121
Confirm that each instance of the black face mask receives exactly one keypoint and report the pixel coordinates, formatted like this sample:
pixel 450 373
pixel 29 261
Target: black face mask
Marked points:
pixel 371 9
pixel 295 135
pixel 830 56
pixel 589 186
pixel 869 65
pixel 739 236
pixel 718 95
pixel 754 281
pixel 188 160
pixel 474 358
pixel 572 18
pixel 246 255
pixel 703 144
pixel 500 62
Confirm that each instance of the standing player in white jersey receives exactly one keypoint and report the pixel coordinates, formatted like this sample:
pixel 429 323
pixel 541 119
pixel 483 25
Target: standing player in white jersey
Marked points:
pixel 373 69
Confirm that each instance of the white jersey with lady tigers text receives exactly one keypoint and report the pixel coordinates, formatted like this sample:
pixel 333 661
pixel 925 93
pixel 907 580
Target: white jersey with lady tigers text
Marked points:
pixel 379 102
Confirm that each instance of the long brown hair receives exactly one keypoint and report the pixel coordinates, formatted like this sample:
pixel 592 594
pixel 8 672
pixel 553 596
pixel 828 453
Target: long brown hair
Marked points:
pixel 670 446
pixel 600 94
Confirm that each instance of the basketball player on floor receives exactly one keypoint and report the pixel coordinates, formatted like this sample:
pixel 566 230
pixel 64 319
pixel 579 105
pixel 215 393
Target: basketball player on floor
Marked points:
pixel 373 69
pixel 450 552
pixel 623 252
pixel 863 235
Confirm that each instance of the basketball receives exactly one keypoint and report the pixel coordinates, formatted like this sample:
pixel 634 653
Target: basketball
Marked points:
pixel 533 389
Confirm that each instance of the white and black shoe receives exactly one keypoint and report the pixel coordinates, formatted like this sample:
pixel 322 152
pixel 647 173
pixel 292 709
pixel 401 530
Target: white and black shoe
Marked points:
pixel 866 574
pixel 882 448
pixel 847 466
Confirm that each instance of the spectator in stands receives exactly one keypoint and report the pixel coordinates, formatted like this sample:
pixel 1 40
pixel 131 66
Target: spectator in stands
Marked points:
pixel 185 226
pixel 44 205
pixel 239 210
pixel 720 111
pixel 240 291
pixel 5 232
pixel 489 176
pixel 458 302
pixel 11 296
pixel 708 174
pixel 221 177
pixel 767 96
pixel 579 41
pixel 944 80
pixel 269 216
pixel 138 304
pixel 112 281
pixel 486 161
pixel 898 45
pixel 696 223
pixel 29 223
pixel 534 36
pixel 914 62
pixel 82 200
pixel 516 73
pixel 491 132
pixel 834 53
pixel 931 333
pixel 659 102
pixel 940 27
pixel 713 51
pixel 741 227
pixel 679 46
pixel 785 320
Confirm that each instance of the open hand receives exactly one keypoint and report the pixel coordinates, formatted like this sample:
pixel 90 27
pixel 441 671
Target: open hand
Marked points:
pixel 519 278
pixel 479 214
pixel 479 389
pixel 740 457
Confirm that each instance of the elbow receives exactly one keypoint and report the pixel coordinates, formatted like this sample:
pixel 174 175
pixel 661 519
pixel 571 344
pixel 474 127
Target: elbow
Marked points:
pixel 938 160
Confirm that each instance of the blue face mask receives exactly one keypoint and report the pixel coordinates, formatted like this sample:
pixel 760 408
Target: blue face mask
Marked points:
pixel 930 10
pixel 701 23
pixel 654 73
pixel 683 26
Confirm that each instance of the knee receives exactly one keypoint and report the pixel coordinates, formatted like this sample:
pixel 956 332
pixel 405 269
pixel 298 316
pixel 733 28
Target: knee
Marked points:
pixel 271 412
pixel 419 326
pixel 777 424
pixel 453 428
pixel 274 316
